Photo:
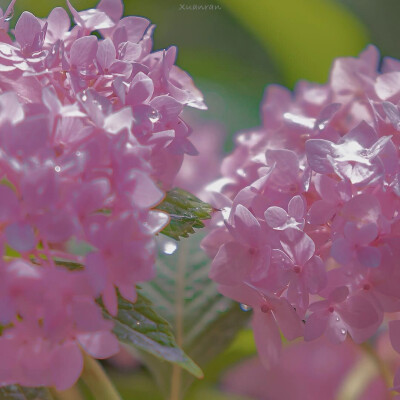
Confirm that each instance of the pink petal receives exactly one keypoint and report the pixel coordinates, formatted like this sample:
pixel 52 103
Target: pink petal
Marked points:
pixel 134 28
pixel 121 119
pixel 357 312
pixel 21 237
pixel 298 245
pixel 288 321
pixel 387 85
pixel 321 212
pixel 113 8
pixel 83 51
pixel 342 250
pixel 337 329
pixel 369 256
pixel 156 221
pixel 247 227
pixel 296 207
pixel 392 113
pixel 316 325
pixel 317 151
pixel 276 216
pixel 67 365
pixel 9 207
pixel 229 267
pixel 259 263
pixel 140 90
pixel 167 107
pixel 327 188
pixel 27 27
pixel 87 315
pixel 99 344
pixel 366 234
pixel 110 299
pixel 58 23
pixel 146 193
pixel 315 276
pixel 242 294
pixel 339 294
pixel 106 53
pixel 267 338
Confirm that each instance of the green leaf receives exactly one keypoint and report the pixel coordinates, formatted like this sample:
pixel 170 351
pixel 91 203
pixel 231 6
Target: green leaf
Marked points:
pixel 186 212
pixel 303 37
pixel 16 392
pixel 140 326
pixel 204 321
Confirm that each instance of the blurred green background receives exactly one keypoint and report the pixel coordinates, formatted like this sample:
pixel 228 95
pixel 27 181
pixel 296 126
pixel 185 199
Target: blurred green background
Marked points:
pixel 233 49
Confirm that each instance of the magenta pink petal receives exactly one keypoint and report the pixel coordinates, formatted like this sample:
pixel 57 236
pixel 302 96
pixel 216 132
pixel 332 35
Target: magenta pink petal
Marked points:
pixel 229 266
pixel 21 237
pixel 27 27
pixel 315 326
pixel 275 217
pixel 267 338
pixel 83 51
pixel 67 365
pixel 247 227
pixel 369 256
pixel 296 207
pixel 320 212
pixel 99 344
pixel 342 250
pixel 298 245
pixel 288 321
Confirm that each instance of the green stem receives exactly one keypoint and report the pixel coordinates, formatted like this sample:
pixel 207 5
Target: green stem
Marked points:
pixel 97 380
pixel 175 393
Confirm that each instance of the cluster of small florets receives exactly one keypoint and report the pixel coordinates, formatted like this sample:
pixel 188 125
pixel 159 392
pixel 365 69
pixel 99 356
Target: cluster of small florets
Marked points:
pixel 309 232
pixel 90 138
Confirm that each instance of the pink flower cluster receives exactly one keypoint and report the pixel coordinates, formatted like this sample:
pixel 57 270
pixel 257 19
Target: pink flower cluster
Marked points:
pixel 310 200
pixel 90 139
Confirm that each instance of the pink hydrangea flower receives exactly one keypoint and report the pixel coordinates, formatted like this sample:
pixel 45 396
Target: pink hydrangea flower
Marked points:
pixel 91 137
pixel 319 183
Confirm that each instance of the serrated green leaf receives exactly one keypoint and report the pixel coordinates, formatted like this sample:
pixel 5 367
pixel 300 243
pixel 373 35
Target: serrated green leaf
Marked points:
pixel 186 213
pixel 140 326
pixel 16 392
pixel 204 321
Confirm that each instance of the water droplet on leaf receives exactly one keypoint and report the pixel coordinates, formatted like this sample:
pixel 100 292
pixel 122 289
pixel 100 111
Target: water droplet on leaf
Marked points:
pixel 169 247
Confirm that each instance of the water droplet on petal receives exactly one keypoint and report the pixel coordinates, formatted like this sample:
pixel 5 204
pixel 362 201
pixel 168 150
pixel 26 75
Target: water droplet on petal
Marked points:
pixel 169 247
pixel 84 97
pixel 154 116
pixel 245 307
pixel 337 319
pixel 78 153
pixel 57 168
pixel 343 331
pixel 241 172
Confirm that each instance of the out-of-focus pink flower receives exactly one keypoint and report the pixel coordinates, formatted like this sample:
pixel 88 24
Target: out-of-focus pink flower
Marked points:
pixel 306 371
